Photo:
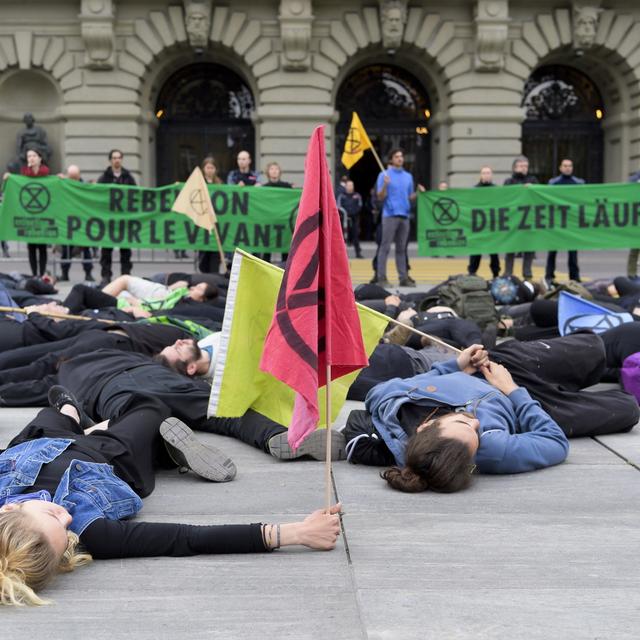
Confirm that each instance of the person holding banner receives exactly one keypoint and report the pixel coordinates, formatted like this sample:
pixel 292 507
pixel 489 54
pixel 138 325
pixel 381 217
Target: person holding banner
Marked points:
pixel 51 522
pixel 115 174
pixel 520 175
pixel 37 252
pixel 396 192
pixel 243 176
pixel 565 178
pixel 634 254
pixel 486 180
pixel 209 261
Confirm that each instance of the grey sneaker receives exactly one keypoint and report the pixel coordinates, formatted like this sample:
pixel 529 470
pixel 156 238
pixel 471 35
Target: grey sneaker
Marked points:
pixel 314 446
pixel 187 451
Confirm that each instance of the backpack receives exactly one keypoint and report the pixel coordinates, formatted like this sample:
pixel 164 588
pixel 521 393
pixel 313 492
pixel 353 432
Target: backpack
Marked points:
pixel 630 375
pixel 470 298
pixel 570 287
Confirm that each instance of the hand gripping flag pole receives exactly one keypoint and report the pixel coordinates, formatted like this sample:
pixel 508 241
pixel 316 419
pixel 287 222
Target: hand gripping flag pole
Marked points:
pixel 315 335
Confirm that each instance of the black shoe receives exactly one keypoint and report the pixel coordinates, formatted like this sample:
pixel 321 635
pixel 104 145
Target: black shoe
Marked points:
pixel 187 451
pixel 88 277
pixel 59 396
pixel 64 278
pixel 314 446
pixel 407 282
pixel 103 283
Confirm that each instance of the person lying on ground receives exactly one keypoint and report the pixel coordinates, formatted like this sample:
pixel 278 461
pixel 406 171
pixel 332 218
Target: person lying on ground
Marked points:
pixel 50 522
pixel 147 339
pixel 103 379
pixel 145 296
pixel 440 426
pixel 38 329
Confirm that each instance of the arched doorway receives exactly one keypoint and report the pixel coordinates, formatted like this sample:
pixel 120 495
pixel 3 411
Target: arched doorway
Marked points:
pixel 203 109
pixel 395 110
pixel 564 111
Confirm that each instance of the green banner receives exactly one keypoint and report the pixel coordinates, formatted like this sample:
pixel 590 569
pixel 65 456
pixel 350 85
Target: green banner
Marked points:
pixel 56 211
pixel 532 218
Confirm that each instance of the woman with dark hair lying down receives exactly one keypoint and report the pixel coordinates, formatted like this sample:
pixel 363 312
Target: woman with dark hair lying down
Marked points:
pixel 67 494
pixel 440 426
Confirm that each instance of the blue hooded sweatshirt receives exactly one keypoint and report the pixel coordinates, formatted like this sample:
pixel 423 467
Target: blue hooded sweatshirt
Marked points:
pixel 516 434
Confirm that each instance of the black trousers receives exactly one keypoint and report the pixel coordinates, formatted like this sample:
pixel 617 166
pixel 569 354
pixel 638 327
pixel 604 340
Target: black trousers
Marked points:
pixel 47 363
pixel 554 371
pixel 253 429
pixel 82 297
pixel 37 258
pixel 67 254
pixel 572 262
pixel 494 264
pixel 106 259
pixel 353 231
pixel 208 261
pixel 132 443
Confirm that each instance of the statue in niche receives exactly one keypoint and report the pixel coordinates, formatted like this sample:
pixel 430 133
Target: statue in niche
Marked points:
pixel 585 26
pixel 32 137
pixel 393 16
pixel 197 21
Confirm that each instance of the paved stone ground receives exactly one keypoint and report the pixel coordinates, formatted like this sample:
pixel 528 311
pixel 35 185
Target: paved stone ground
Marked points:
pixel 544 555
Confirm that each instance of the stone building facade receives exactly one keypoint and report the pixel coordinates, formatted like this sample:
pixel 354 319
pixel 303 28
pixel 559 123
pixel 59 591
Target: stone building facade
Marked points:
pixel 167 81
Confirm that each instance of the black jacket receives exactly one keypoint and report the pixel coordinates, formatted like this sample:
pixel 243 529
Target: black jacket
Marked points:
pixel 125 177
pixel 520 178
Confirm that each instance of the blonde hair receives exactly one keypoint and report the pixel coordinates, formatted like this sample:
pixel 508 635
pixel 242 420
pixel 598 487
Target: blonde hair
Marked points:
pixel 28 562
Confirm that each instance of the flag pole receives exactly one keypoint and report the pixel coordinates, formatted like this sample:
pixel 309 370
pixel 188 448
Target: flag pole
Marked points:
pixel 52 314
pixel 223 261
pixel 425 335
pixel 377 157
pixel 327 464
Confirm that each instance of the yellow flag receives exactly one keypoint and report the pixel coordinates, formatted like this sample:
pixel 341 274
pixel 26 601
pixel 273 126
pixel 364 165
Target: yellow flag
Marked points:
pixel 194 201
pixel 238 382
pixel 356 143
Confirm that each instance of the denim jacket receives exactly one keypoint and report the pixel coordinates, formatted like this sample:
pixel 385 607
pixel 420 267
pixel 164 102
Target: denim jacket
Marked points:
pixel 87 490
pixel 516 435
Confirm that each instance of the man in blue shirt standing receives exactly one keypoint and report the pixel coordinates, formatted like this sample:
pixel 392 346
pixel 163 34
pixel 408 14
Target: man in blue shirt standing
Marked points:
pixel 395 190
pixel 566 177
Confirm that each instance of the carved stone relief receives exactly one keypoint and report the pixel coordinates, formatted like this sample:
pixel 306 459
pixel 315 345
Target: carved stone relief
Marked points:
pixel 197 22
pixel 585 24
pixel 393 18
pixel 96 27
pixel 492 28
pixel 295 30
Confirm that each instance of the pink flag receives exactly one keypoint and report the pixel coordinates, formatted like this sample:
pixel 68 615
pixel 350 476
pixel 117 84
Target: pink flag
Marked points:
pixel 316 322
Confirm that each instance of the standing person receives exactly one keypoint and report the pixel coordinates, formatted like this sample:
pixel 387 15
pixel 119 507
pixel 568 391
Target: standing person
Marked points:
pixel 351 203
pixel 208 261
pixel 115 174
pixel 486 180
pixel 395 190
pixel 565 178
pixel 274 179
pixel 243 176
pixel 520 175
pixel 73 173
pixel 632 260
pixel 35 168
pixel 341 185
